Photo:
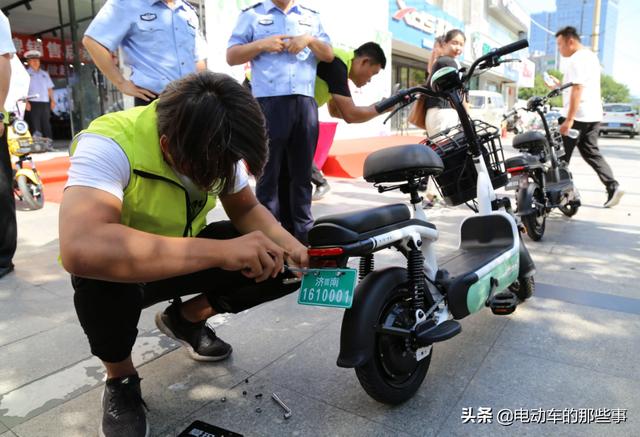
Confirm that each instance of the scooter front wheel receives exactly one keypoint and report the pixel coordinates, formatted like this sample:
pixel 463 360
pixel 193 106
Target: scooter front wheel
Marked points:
pixel 31 194
pixel 393 375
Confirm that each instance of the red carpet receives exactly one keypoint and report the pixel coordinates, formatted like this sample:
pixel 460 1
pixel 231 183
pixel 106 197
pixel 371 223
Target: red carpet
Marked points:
pixel 345 160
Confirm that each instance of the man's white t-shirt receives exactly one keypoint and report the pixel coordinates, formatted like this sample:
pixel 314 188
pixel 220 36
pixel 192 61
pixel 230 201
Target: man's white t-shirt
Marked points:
pixel 100 163
pixel 583 68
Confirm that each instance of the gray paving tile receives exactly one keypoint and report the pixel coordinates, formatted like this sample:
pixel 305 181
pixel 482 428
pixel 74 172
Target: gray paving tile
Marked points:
pixel 591 338
pixel 311 369
pixel 263 334
pixel 26 310
pixel 310 417
pixel 3 428
pixel 70 381
pixel 511 380
pixel 40 355
pixel 173 386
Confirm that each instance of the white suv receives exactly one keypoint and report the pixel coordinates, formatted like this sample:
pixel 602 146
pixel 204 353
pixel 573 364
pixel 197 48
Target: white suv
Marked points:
pixel 619 118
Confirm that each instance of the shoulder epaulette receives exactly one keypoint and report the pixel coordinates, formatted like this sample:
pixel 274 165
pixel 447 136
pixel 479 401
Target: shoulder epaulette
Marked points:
pixel 308 9
pixel 251 7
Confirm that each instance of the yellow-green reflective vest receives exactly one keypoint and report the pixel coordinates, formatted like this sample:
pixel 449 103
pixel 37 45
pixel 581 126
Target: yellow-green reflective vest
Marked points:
pixel 155 200
pixel 322 94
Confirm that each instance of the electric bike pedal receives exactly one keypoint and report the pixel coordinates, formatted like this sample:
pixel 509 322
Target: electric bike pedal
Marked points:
pixel 503 303
pixel 426 334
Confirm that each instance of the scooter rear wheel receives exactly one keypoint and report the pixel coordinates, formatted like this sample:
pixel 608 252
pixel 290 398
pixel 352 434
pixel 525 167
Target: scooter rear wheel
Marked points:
pixel 393 375
pixel 535 222
pixel 31 194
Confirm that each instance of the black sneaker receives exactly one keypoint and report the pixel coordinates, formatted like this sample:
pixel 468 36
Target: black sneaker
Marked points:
pixel 123 410
pixel 5 270
pixel 200 339
pixel 320 191
pixel 614 193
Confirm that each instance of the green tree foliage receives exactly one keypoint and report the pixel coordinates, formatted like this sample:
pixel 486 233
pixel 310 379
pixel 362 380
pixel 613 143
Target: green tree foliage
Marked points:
pixel 613 91
pixel 540 89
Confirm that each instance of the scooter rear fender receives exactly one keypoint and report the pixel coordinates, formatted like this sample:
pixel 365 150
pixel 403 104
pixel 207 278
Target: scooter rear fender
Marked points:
pixel 525 200
pixel 357 335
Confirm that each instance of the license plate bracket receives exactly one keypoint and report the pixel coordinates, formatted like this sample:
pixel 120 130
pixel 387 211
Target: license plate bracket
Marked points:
pixel 328 287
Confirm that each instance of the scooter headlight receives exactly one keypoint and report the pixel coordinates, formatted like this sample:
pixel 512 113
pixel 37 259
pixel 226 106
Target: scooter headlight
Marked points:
pixel 20 127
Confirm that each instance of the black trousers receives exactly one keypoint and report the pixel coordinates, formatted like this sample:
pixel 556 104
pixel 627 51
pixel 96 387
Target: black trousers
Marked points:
pixel 8 226
pixel 109 311
pixel 587 144
pixel 39 118
pixel 285 186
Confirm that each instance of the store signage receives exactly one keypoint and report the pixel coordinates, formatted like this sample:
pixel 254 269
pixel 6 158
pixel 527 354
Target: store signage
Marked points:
pixel 419 23
pixel 51 48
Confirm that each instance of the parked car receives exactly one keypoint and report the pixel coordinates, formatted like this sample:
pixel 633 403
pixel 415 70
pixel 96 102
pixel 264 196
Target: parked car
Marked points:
pixel 487 106
pixel 619 118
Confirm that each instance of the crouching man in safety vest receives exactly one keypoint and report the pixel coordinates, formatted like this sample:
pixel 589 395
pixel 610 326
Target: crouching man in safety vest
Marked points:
pixel 133 229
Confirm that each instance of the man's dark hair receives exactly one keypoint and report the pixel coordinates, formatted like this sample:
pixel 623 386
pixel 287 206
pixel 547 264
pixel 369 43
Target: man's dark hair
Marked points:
pixel 211 121
pixel 568 32
pixel 372 51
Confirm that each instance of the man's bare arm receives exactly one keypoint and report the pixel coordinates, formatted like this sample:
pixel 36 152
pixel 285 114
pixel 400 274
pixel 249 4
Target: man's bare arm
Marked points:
pixel 248 215
pixel 102 58
pixel 574 104
pixel 349 112
pixel 93 244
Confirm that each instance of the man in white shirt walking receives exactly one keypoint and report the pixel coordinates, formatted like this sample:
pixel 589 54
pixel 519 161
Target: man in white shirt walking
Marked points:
pixel 583 108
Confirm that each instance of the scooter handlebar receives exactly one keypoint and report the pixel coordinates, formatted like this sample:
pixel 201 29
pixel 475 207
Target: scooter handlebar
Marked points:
pixel 390 102
pixel 510 48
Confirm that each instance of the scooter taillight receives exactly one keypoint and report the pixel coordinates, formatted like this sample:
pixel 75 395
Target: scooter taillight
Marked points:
pixel 515 170
pixel 324 257
pixel 325 252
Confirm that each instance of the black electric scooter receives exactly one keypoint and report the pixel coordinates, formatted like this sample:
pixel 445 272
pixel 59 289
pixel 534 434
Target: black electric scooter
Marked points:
pixel 539 175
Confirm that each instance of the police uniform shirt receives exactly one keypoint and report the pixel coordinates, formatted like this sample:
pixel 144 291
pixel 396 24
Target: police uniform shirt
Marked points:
pixel 6 43
pixel 39 84
pixel 160 44
pixel 280 74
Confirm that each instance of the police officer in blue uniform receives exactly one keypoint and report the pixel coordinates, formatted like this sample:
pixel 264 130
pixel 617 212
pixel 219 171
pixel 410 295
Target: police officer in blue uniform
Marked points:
pixel 40 105
pixel 161 41
pixel 284 40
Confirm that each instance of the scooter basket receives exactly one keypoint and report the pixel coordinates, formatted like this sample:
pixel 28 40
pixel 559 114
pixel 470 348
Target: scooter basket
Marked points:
pixel 458 182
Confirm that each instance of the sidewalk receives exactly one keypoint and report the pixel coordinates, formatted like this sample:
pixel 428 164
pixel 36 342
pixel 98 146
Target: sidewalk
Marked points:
pixel 574 345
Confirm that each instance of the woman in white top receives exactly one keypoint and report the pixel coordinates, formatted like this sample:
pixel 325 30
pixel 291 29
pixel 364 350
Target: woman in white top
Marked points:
pixel 440 115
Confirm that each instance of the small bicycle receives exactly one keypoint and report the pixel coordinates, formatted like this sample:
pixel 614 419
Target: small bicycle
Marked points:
pixel 395 315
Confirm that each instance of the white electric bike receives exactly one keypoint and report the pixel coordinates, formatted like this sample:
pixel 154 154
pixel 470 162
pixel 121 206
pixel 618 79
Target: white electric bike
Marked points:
pixel 395 315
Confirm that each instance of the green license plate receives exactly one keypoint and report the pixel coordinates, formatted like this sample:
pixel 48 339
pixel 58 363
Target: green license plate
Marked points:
pixel 328 287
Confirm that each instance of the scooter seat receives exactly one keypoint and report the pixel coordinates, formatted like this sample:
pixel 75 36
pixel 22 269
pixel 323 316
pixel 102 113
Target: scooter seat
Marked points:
pixel 524 160
pixel 532 141
pixel 401 163
pixel 345 228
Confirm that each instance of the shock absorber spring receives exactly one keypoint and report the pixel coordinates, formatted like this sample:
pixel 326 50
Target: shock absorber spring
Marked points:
pixel 415 267
pixel 366 266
